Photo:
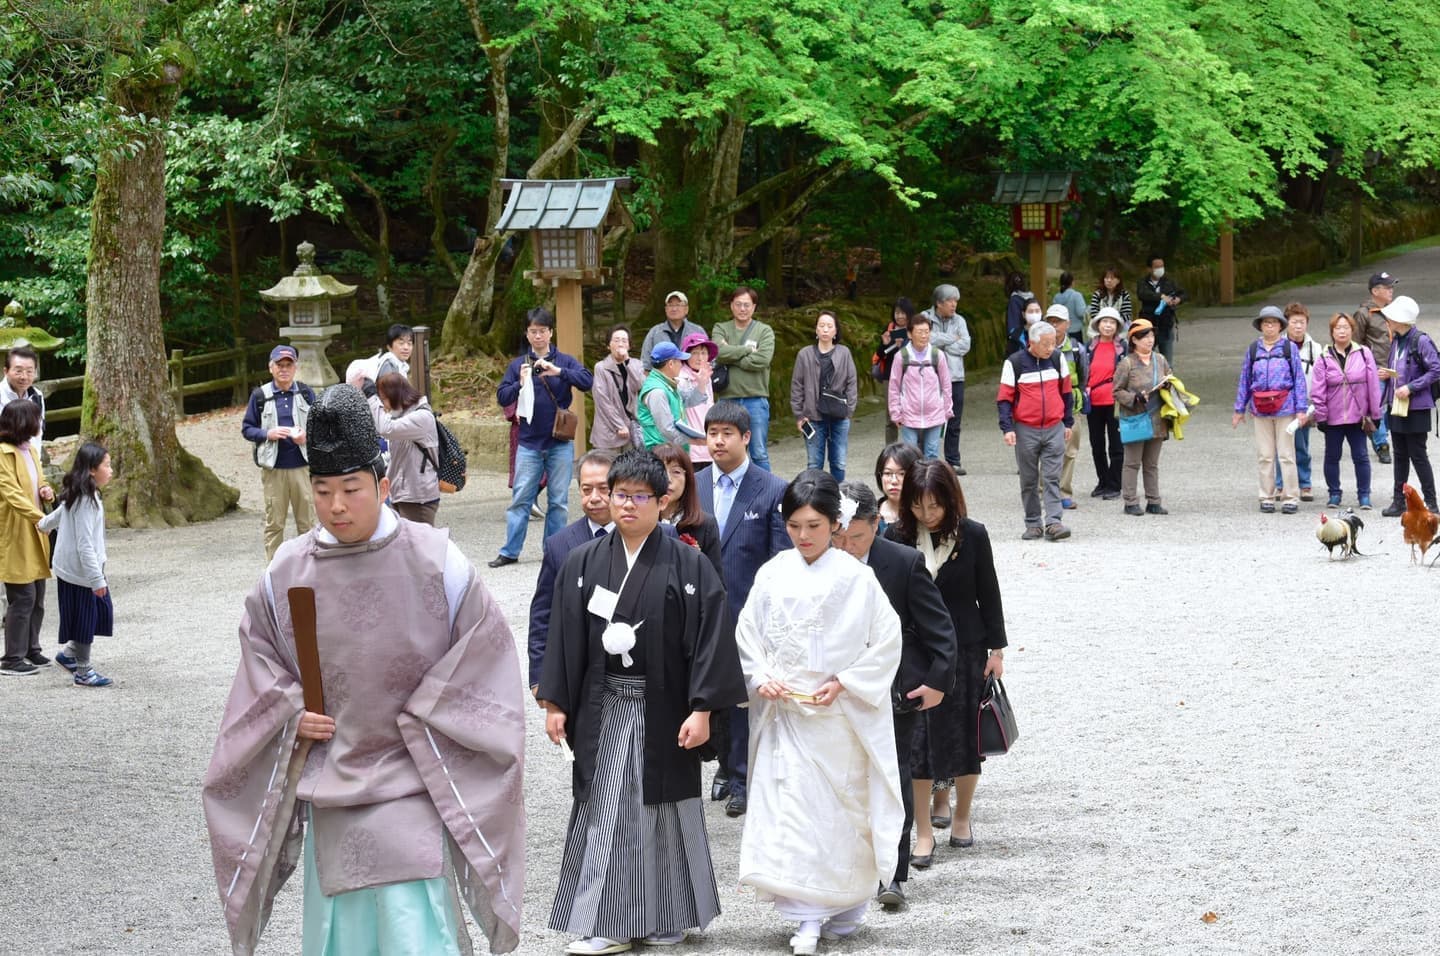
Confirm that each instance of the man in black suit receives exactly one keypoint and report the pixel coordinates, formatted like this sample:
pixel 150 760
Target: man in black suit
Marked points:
pixel 928 649
pixel 592 473
pixel 745 503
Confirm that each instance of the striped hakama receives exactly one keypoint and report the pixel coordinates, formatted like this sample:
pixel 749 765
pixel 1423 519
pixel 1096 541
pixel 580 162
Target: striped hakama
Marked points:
pixel 632 870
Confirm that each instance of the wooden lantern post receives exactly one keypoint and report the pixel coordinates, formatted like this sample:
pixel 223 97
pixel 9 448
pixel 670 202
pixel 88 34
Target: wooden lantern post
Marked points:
pixel 1227 264
pixel 566 219
pixel 1037 202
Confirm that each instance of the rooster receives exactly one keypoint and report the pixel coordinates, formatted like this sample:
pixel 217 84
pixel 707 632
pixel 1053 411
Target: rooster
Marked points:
pixel 1340 532
pixel 1420 523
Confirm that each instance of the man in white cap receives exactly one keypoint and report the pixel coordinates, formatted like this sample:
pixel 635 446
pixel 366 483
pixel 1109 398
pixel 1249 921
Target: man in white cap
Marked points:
pixel 676 327
pixel 1075 356
pixel 1411 369
pixel 275 422
pixel 1373 331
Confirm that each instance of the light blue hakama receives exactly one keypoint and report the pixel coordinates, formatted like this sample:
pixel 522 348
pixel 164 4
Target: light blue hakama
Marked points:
pixel 416 918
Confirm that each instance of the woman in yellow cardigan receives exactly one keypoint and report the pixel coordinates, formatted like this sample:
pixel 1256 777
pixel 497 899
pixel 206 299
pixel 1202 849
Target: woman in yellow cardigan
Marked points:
pixel 25 559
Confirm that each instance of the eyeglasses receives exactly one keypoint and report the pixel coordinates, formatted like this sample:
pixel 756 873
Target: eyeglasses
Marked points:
pixel 892 474
pixel 640 501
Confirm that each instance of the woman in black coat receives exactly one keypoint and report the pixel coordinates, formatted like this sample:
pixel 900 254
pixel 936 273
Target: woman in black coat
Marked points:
pixel 957 553
pixel 692 524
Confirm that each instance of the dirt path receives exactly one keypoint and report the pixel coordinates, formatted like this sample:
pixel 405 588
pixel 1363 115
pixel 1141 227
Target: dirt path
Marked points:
pixel 1214 718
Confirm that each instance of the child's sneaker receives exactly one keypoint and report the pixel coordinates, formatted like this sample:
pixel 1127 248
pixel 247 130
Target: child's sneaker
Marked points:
pixel 91 678
pixel 66 661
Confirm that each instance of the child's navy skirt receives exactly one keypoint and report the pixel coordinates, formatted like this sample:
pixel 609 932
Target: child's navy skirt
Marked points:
pixel 82 614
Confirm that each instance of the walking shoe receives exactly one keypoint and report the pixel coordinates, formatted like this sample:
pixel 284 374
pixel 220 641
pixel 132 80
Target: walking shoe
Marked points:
pixel 1334 501
pixel 500 560
pixel 720 786
pixel 1155 510
pixel 21 668
pixel 891 897
pixel 1054 532
pixel 1289 508
pixel 1395 509
pixel 1068 504
pixel 1365 503
pixel 1032 534
pixel 1110 495
pixel 1431 507
pixel 1383 453
pixel 735 806
pixel 1267 507
pixel 38 659
pixel 536 514
pixel 91 678
pixel 1307 494
pixel 1134 510
pixel 66 661
pixel 1099 490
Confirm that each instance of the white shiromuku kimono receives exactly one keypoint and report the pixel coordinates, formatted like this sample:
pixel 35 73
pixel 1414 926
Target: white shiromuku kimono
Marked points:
pixel 825 812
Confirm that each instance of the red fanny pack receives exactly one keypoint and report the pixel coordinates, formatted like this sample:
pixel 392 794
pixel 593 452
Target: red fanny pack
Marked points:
pixel 1271 401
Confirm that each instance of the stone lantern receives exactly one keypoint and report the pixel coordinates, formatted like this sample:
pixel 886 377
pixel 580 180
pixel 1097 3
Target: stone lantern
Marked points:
pixel 308 294
pixel 14 332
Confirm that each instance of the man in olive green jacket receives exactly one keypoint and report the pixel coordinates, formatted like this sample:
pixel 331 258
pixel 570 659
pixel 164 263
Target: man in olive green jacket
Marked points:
pixel 747 347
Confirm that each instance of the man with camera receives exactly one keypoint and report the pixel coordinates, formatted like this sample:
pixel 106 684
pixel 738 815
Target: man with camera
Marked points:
pixel 539 384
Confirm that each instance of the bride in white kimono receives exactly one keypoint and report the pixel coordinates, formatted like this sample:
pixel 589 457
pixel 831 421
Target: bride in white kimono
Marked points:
pixel 819 644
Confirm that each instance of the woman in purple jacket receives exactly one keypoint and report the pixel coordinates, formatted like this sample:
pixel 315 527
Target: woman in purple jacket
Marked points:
pixel 1345 393
pixel 1413 366
pixel 1272 389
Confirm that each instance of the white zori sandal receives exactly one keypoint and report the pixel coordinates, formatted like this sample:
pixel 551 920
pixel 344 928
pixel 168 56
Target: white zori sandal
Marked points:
pixel 597 945
pixel 806 939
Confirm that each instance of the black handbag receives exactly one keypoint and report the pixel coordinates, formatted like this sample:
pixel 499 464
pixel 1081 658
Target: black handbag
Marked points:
pixel 996 732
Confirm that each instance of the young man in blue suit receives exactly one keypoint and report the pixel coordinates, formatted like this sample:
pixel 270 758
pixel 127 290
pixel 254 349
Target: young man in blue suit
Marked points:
pixel 745 502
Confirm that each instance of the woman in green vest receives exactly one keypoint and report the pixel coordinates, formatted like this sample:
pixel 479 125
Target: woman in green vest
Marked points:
pixel 661 412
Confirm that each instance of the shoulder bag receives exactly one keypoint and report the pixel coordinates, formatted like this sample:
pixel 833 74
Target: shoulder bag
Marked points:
pixel 831 405
pixel 1141 427
pixel 996 732
pixel 566 421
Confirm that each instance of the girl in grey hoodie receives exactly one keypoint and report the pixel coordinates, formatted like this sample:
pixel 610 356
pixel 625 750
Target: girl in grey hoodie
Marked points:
pixel 79 562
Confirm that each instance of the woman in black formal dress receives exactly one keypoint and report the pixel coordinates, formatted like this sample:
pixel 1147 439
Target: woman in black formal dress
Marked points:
pixel 957 553
pixel 694 526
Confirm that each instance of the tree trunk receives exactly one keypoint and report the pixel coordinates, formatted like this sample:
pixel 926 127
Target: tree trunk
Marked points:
pixel 694 232
pixel 127 404
pixel 378 245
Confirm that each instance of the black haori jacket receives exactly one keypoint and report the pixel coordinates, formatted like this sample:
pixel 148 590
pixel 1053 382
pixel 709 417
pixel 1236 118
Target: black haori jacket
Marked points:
pixel 685 649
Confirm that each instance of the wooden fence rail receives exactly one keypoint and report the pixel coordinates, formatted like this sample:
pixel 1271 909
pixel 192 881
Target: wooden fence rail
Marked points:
pixel 247 366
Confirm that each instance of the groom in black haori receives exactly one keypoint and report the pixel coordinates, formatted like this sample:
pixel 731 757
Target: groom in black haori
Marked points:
pixel 639 653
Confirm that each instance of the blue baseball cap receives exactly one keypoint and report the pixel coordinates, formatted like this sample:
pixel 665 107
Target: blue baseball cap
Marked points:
pixel 283 351
pixel 666 351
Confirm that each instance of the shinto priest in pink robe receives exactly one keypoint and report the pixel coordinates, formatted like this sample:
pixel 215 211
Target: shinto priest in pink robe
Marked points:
pixel 422 779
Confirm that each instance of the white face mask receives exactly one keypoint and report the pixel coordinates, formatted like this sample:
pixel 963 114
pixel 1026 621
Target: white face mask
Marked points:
pixel 1159 273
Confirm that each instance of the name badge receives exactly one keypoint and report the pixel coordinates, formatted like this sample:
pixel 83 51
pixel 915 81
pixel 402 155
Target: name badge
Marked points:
pixel 602 603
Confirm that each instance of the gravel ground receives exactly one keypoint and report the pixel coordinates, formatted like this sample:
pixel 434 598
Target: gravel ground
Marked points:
pixel 1184 740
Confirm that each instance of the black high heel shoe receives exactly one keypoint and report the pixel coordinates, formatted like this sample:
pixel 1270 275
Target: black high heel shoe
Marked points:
pixel 969 841
pixel 923 862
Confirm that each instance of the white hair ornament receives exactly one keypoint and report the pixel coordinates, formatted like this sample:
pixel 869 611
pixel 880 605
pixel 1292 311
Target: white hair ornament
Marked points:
pixel 848 507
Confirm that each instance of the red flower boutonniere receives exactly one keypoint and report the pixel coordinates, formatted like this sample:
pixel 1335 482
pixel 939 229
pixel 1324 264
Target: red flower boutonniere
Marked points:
pixel 690 540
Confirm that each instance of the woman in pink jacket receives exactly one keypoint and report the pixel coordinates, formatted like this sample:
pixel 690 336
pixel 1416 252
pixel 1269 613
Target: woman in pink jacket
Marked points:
pixel 1345 394
pixel 920 390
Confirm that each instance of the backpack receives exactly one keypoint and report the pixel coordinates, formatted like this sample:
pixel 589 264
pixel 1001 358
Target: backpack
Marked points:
pixel 1285 351
pixel 451 467
pixel 934 364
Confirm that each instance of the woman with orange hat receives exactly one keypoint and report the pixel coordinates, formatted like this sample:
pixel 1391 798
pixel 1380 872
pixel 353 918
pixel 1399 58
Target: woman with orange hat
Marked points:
pixel 1142 429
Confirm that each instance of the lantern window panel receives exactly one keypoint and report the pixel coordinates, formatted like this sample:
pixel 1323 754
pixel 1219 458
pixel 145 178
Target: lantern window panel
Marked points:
pixel 558 249
pixel 1033 216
